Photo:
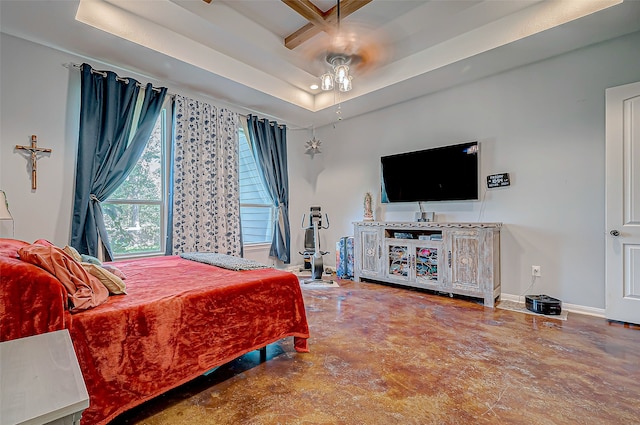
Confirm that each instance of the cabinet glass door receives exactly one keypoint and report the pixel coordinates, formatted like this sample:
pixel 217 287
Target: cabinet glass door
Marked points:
pixel 426 264
pixel 398 261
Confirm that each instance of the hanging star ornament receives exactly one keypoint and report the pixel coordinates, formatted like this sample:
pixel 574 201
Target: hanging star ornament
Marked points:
pixel 313 147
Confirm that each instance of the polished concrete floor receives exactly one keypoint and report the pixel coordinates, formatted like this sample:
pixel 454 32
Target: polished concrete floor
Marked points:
pixel 387 355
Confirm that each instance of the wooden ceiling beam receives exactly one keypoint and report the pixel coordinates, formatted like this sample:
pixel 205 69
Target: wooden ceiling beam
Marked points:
pixel 310 12
pixel 301 35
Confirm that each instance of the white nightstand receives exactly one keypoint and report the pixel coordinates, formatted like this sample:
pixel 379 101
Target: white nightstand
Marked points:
pixel 40 381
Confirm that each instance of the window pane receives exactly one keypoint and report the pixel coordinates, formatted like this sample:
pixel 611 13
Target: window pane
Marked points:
pixel 252 190
pixel 256 224
pixel 133 228
pixel 145 181
pixel 256 207
pixel 134 214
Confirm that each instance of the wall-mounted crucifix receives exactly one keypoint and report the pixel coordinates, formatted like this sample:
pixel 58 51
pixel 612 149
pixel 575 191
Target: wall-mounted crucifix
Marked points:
pixel 33 150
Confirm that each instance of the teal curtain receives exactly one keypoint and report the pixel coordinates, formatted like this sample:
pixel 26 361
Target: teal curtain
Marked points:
pixel 269 140
pixel 116 122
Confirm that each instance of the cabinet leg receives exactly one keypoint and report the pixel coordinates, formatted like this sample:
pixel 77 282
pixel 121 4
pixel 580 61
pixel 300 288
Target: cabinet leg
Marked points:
pixel 489 301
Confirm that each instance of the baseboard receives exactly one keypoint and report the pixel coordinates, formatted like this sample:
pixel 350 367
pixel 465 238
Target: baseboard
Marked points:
pixel 574 308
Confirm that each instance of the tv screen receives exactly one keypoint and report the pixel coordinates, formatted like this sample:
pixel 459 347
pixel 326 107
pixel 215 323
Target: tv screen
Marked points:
pixel 447 173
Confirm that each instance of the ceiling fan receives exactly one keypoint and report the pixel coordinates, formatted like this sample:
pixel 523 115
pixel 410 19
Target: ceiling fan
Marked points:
pixel 352 44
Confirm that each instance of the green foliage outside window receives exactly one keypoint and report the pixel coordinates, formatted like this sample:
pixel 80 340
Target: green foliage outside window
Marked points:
pixel 133 214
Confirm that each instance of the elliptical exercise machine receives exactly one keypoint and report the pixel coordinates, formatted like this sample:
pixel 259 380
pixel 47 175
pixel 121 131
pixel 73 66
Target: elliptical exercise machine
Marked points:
pixel 312 232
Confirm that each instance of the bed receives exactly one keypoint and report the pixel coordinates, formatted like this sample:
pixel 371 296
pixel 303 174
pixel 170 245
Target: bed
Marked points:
pixel 178 319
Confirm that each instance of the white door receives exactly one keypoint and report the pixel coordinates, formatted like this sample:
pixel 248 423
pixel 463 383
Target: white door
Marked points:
pixel 623 203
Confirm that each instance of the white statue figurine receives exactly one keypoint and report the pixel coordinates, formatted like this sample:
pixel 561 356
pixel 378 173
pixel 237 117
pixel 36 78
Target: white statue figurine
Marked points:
pixel 368 209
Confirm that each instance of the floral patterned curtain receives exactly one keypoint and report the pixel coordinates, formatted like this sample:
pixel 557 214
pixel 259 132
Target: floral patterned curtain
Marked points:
pixel 206 200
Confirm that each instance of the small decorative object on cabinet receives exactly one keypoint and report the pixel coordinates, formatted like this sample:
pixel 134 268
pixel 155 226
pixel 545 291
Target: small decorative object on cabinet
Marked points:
pixel 454 258
pixel 368 207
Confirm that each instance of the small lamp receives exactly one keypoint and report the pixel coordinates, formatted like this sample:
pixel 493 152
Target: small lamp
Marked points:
pixel 5 214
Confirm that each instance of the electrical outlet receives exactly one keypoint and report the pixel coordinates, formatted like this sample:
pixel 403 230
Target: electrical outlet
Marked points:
pixel 536 271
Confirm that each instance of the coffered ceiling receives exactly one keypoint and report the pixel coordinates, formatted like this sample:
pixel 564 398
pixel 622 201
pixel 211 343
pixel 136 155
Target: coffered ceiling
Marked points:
pixel 236 51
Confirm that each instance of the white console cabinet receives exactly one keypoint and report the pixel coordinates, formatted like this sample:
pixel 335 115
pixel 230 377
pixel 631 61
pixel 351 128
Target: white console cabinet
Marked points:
pixel 454 258
pixel 41 381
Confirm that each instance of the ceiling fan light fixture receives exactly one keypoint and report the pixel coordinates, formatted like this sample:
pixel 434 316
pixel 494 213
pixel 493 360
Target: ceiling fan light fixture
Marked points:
pixel 339 58
pixel 326 81
pixel 345 85
pixel 341 73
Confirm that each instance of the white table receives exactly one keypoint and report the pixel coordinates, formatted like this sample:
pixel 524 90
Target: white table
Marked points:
pixel 40 381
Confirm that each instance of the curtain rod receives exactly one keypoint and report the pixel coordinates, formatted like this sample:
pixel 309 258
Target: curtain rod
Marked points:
pixel 118 78
pixel 173 95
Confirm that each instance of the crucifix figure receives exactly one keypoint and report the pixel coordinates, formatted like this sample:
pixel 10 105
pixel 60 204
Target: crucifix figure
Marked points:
pixel 34 150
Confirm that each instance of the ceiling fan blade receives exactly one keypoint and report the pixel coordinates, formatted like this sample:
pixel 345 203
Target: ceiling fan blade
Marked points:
pixel 363 47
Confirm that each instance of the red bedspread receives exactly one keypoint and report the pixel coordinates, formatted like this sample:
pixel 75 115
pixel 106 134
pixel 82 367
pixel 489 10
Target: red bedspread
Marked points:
pixel 179 319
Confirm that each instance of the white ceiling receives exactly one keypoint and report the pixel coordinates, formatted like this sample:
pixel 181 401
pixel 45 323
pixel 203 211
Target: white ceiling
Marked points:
pixel 233 50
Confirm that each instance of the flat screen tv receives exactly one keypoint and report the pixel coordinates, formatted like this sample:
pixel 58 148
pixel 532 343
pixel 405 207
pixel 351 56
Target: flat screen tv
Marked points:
pixel 447 173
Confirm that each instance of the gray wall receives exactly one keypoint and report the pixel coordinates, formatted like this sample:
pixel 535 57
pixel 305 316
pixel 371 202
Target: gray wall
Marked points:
pixel 38 95
pixel 35 94
pixel 543 124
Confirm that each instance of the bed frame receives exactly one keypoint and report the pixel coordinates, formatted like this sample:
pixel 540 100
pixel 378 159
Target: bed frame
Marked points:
pixel 179 319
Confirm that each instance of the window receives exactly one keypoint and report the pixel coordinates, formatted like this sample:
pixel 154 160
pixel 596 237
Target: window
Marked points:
pixel 135 214
pixel 257 210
